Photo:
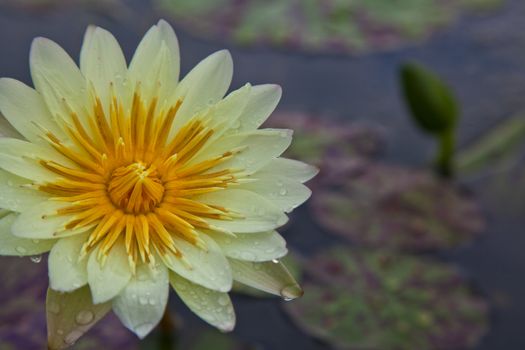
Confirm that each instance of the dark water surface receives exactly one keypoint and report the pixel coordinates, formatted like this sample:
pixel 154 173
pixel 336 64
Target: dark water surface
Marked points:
pixel 482 57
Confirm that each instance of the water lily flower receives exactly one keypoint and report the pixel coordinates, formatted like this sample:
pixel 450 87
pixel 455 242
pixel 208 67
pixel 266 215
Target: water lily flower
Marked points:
pixel 133 180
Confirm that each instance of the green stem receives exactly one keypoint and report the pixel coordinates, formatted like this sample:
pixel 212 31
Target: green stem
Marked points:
pixel 445 158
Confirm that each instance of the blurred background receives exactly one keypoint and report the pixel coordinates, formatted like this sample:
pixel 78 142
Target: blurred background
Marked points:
pixel 414 111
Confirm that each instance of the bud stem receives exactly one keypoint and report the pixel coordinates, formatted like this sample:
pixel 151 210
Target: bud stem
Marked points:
pixel 444 163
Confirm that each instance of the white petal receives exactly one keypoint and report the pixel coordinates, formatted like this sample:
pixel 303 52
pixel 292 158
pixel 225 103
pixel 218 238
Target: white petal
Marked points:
pixel 66 272
pixel 257 213
pixel 270 277
pixel 103 63
pixel 109 280
pixel 57 78
pixel 209 268
pixel 14 196
pixel 262 102
pixel 260 246
pixel 141 305
pixel 42 222
pixel 285 193
pixel 157 61
pixel 204 85
pixel 12 245
pixel 290 168
pixel 256 149
pixel 25 109
pixel 212 306
pixel 21 158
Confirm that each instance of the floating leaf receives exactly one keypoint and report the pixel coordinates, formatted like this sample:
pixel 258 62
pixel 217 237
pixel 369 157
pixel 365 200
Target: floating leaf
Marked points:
pixel 316 25
pixel 392 207
pixel 379 300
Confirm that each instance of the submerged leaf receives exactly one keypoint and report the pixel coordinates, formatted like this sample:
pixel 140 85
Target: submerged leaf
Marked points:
pixel 378 300
pixel 70 315
pixel 393 207
pixel 321 26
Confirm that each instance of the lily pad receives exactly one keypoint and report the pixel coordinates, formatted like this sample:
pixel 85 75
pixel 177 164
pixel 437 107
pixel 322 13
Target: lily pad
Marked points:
pixel 359 299
pixel 320 25
pixel 397 208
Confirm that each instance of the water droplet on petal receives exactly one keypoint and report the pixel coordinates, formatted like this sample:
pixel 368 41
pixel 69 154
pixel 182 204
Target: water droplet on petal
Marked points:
pixel 36 259
pixel 72 337
pixel 275 261
pixel 54 308
pixel 143 300
pixel 223 300
pixel 21 250
pixel 283 191
pixel 291 292
pixel 85 317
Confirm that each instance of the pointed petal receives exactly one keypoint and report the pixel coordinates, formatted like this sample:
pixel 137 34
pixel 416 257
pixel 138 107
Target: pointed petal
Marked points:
pixel 70 315
pixel 257 213
pixel 15 246
pixel 25 109
pixel 209 268
pixel 141 305
pixel 66 272
pixel 261 103
pixel 16 197
pixel 290 168
pixel 103 63
pixel 57 78
pixel 41 222
pixel 21 158
pixel 156 62
pixel 285 193
pixel 204 85
pixel 260 246
pixel 257 149
pixel 212 306
pixel 271 277
pixel 107 281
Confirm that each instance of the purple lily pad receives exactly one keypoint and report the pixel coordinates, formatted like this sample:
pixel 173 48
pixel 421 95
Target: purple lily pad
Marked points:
pixel 397 208
pixel 320 25
pixel 359 299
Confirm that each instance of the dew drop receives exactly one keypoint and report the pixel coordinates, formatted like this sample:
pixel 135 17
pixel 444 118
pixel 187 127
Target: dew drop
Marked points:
pixel 152 302
pixel 21 250
pixel 223 300
pixel 54 308
pixel 36 259
pixel 72 337
pixel 291 292
pixel 84 317
pixel 143 300
pixel 283 191
pixel 275 261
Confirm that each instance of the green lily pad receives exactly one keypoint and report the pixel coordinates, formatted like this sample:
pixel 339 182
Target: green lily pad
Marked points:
pixel 397 208
pixel 359 299
pixel 320 26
